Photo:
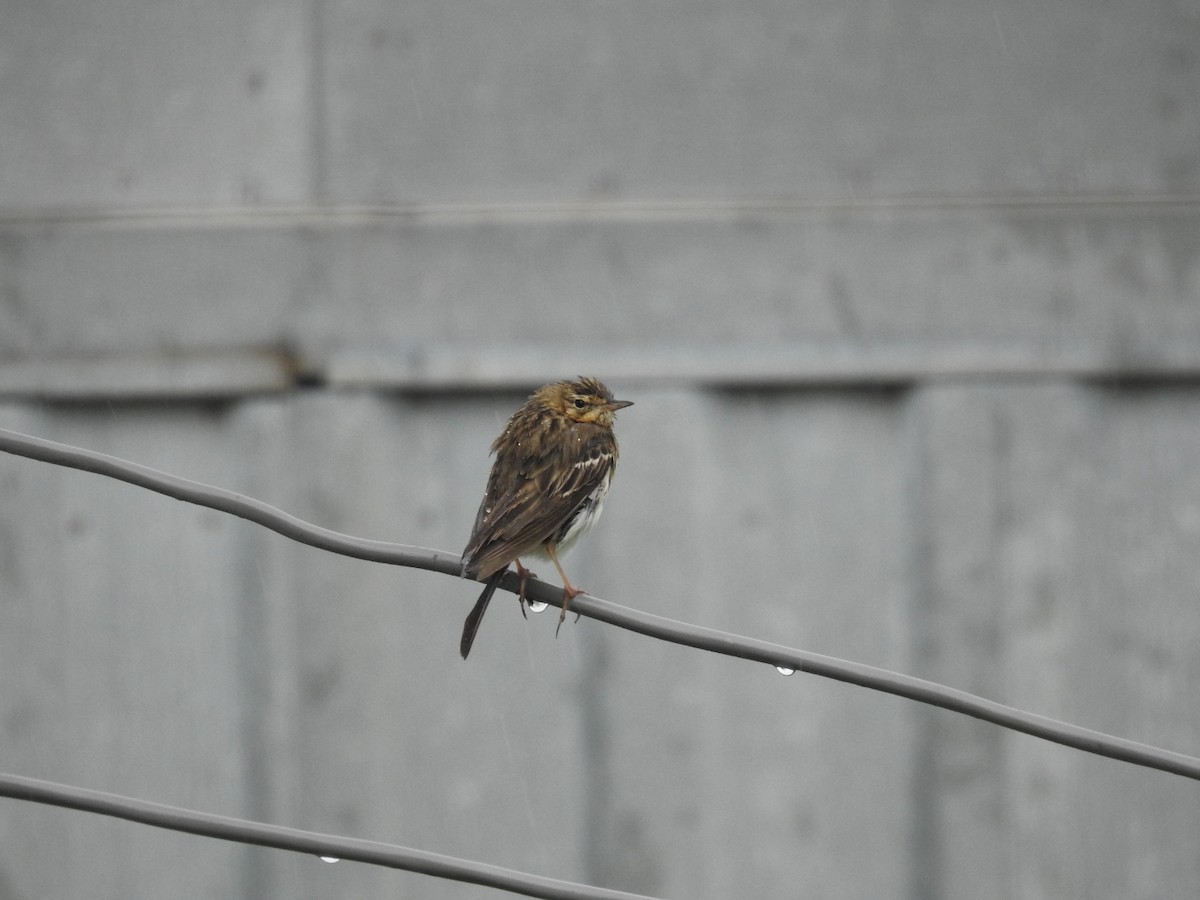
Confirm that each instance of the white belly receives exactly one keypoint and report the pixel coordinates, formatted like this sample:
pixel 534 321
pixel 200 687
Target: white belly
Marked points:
pixel 589 514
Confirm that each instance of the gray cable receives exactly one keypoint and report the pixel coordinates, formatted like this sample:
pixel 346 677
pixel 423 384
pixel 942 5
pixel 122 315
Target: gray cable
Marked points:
pixel 634 620
pixel 175 818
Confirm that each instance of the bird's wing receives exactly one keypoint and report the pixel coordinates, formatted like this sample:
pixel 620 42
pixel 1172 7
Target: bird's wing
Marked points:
pixel 516 518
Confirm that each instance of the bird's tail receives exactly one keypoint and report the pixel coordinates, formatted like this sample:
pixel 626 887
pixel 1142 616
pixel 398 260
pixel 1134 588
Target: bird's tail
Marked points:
pixel 475 616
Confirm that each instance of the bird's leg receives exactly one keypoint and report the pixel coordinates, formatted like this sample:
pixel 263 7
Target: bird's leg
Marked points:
pixel 524 574
pixel 569 590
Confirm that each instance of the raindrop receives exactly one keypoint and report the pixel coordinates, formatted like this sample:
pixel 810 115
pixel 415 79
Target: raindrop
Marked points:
pixel 537 606
pixel 330 859
pixel 784 670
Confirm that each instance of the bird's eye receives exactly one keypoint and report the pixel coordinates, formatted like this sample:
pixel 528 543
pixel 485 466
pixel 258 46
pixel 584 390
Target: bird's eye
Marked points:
pixel 580 403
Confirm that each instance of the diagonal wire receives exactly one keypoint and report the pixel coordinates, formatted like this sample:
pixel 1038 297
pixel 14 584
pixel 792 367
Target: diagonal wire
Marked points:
pixel 244 831
pixel 228 501
pixel 605 611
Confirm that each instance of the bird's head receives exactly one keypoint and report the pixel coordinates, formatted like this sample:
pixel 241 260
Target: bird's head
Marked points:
pixel 582 400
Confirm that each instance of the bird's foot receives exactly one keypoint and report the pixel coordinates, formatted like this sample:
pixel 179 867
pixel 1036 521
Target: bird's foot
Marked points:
pixel 524 574
pixel 570 592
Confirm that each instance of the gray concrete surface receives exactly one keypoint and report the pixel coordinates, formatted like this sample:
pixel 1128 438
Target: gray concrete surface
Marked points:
pixel 908 298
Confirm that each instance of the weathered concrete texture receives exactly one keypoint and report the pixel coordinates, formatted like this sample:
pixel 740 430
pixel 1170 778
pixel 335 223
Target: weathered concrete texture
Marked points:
pixel 121 617
pixel 121 103
pixel 1053 540
pixel 1121 283
pixel 242 104
pixel 317 253
pixel 781 516
pixel 433 100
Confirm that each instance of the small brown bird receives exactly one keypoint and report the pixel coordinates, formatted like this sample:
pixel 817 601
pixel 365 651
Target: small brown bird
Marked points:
pixel 554 462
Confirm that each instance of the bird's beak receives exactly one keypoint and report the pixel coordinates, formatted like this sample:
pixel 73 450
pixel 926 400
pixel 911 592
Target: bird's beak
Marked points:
pixel 617 404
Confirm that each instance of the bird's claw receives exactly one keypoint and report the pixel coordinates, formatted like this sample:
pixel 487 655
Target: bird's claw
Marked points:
pixel 524 574
pixel 569 594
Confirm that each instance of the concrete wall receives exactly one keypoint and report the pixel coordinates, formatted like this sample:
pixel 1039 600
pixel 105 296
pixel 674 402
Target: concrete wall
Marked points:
pixel 907 295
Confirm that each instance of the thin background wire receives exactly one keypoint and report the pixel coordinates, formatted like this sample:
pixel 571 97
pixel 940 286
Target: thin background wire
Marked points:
pixel 331 847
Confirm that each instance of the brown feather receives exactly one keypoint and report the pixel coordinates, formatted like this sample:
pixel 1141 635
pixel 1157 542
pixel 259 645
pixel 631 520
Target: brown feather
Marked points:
pixel 534 508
